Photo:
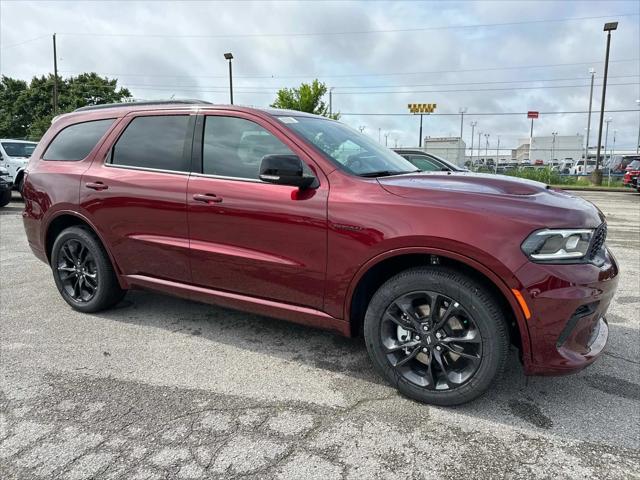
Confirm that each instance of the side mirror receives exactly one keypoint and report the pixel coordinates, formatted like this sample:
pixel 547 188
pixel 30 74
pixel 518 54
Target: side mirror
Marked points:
pixel 285 170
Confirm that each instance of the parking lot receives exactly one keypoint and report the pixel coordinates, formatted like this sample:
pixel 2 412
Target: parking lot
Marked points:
pixel 164 388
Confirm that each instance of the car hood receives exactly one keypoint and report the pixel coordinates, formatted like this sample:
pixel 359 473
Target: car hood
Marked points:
pixel 516 198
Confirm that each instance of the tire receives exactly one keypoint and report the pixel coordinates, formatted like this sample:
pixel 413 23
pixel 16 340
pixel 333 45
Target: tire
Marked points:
pixel 20 185
pixel 5 198
pixel 90 285
pixel 472 341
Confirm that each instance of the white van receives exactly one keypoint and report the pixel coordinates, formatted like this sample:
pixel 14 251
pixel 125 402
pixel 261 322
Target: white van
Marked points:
pixel 579 167
pixel 14 156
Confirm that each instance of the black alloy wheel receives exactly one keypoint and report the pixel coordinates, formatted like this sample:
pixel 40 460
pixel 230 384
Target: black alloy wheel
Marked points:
pixel 77 270
pixel 431 340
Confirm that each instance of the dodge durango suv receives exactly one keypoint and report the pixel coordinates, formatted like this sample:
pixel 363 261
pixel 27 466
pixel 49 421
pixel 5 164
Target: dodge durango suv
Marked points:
pixel 299 217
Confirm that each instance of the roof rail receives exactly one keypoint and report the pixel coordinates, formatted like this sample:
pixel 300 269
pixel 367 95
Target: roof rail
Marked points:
pixel 135 104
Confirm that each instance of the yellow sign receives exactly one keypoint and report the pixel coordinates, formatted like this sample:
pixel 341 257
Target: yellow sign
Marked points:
pixel 422 107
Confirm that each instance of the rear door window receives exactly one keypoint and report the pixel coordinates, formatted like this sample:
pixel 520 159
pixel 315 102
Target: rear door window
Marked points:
pixel 75 142
pixel 155 142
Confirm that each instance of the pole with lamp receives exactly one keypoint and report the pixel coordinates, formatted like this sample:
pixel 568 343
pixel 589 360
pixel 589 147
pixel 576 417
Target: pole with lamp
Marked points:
pixel 495 168
pixel 592 71
pixel 486 149
pixel 229 56
pixel 473 127
pixel 613 151
pixel 421 109
pixel 463 110
pixel 553 147
pixel 596 178
pixel 606 141
pixel 479 145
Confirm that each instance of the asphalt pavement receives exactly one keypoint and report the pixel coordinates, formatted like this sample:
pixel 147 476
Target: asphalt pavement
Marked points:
pixel 164 388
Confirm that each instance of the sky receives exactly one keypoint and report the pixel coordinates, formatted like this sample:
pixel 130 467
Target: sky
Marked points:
pixel 485 57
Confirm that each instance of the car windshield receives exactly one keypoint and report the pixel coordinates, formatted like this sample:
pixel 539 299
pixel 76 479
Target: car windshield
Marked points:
pixel 19 149
pixel 634 165
pixel 352 151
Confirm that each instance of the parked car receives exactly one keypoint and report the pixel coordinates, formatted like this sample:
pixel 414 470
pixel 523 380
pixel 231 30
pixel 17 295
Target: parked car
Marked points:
pixel 291 215
pixel 5 187
pixel 580 169
pixel 619 163
pixel 566 165
pixel 14 156
pixel 427 162
pixel 631 172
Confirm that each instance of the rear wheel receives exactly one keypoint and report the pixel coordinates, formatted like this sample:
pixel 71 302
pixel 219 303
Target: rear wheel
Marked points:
pixel 436 335
pixel 83 272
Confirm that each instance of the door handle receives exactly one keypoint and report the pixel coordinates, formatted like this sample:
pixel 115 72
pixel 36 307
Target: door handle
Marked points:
pixel 207 198
pixel 96 186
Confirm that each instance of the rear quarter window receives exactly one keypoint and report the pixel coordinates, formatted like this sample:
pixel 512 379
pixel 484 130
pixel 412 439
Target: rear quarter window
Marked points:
pixel 73 143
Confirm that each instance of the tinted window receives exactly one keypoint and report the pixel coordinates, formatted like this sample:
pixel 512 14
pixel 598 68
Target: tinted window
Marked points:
pixel 19 149
pixel 154 142
pixel 234 147
pixel 76 141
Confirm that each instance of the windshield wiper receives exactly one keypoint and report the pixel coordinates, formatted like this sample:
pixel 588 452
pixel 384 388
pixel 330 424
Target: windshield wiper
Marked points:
pixel 385 173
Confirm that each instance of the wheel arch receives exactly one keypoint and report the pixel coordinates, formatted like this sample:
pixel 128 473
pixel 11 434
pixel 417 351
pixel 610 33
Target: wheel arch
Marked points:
pixel 66 219
pixel 379 269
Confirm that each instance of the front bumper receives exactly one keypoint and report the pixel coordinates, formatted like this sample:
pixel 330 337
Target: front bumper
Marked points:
pixel 568 329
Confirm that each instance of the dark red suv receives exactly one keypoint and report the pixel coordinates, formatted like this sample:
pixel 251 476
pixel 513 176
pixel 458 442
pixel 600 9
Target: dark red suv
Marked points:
pixel 299 217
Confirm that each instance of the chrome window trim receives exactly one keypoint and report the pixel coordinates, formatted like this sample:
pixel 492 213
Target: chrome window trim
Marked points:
pixel 223 177
pixel 144 169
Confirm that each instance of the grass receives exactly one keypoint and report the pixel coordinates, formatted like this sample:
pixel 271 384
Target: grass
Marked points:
pixel 551 177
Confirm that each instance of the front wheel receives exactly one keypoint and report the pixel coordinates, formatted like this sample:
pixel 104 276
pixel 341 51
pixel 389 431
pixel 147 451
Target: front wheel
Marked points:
pixel 83 272
pixel 5 198
pixel 436 335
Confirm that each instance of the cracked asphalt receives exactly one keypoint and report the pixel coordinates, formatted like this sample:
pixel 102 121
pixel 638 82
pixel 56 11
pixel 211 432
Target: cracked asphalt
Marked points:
pixel 164 388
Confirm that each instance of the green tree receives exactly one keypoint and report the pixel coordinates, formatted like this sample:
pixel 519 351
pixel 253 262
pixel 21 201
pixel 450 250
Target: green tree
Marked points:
pixel 26 110
pixel 306 98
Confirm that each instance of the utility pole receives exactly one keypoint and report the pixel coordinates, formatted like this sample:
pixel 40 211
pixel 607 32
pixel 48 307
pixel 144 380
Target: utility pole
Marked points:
pixel 592 71
pixel 553 148
pixel 462 112
pixel 497 156
pixel 597 174
pixel 473 127
pixel 420 133
pixel 55 77
pixel 479 145
pixel 386 139
pixel 330 101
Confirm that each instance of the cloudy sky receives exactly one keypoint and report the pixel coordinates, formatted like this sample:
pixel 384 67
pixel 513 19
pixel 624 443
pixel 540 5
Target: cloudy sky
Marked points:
pixel 490 57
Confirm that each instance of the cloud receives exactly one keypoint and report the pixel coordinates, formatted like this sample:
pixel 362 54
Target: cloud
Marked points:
pixel 158 67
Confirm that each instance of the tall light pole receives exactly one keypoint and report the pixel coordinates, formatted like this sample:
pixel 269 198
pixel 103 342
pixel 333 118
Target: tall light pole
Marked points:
pixel 592 71
pixel 386 139
pixel 495 168
pixel 486 148
pixel 473 127
pixel 463 110
pixel 229 57
pixel 331 102
pixel 55 77
pixel 553 147
pixel 479 145
pixel 638 144
pixel 597 173
pixel 606 140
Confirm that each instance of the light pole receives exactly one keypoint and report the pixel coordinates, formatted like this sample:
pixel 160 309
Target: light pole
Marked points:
pixel 229 56
pixel 479 145
pixel 361 128
pixel 553 147
pixel 638 144
pixel 486 149
pixel 331 102
pixel 592 71
pixel 379 132
pixel 473 127
pixel 386 139
pixel 597 173
pixel 495 169
pixel 606 140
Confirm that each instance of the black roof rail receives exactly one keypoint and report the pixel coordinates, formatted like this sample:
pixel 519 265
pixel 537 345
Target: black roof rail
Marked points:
pixel 135 104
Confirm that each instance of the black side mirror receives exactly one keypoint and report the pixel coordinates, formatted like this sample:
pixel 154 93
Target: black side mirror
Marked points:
pixel 285 170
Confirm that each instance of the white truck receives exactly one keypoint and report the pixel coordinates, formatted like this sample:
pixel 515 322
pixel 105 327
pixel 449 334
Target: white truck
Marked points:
pixel 14 156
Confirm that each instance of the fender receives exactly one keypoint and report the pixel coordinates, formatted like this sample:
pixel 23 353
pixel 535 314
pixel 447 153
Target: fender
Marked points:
pixel 502 285
pixel 121 279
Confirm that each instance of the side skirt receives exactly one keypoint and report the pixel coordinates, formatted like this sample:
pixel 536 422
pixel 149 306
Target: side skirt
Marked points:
pixel 260 306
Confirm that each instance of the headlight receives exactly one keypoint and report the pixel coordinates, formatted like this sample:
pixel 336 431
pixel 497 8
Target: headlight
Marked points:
pixel 550 245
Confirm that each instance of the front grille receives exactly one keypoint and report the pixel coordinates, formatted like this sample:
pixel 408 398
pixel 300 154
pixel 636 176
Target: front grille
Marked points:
pixel 599 237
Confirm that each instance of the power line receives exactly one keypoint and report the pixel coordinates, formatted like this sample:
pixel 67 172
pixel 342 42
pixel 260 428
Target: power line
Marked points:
pixel 25 41
pixel 349 32
pixel 316 75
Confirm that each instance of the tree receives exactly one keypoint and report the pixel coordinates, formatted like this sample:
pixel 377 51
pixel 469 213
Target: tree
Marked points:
pixel 306 98
pixel 26 110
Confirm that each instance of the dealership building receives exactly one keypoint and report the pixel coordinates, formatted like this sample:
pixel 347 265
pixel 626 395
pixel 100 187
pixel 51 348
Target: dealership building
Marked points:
pixel 548 148
pixel 451 149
